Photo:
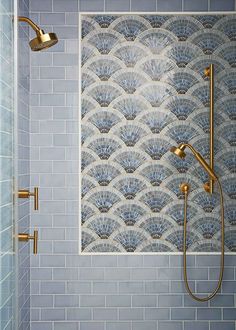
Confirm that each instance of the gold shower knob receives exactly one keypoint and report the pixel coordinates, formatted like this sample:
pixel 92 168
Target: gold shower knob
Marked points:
pixel 26 237
pixel 26 194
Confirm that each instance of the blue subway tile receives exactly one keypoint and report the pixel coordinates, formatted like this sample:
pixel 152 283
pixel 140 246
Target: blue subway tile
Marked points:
pixel 183 314
pixel 52 18
pixel 207 260
pixel 228 274
pixel 92 5
pixel 219 5
pixel 131 314
pixel 230 260
pixel 144 301
pixel 222 325
pixel 206 286
pixel 157 261
pixel 41 325
pixel 177 261
pixel 156 287
pixel 105 314
pixel 51 287
pixel 53 314
pixel 131 287
pixel 190 302
pixel 146 6
pixel 222 301
pixel 208 313
pixel 118 301
pixel 200 5
pixel 196 325
pixel 38 6
pixel 41 301
pixel 169 273
pixel 229 313
pixel 66 301
pixel 79 287
pixel 114 5
pixel 130 261
pixel 157 313
pixel 105 287
pixel 229 287
pixel 66 326
pixel 165 325
pixel 143 274
pixel 92 301
pixel 170 300
pixel 179 286
pixel 151 325
pixel 174 5
pixel 65 6
pixel 118 325
pixel 100 261
pixel 79 314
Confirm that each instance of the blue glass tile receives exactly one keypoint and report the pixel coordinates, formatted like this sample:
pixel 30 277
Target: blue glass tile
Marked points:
pixel 173 5
pixel 219 5
pixel 199 5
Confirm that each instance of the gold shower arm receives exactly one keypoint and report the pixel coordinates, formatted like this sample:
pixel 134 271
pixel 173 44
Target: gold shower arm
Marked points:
pixel 34 26
pixel 179 151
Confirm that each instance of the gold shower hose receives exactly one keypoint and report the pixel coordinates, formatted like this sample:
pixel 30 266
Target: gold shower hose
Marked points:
pixel 185 189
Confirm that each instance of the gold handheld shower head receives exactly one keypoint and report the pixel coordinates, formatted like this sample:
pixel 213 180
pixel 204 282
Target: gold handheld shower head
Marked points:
pixel 179 151
pixel 43 40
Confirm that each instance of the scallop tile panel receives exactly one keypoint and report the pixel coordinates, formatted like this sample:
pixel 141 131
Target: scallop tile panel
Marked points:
pixel 143 89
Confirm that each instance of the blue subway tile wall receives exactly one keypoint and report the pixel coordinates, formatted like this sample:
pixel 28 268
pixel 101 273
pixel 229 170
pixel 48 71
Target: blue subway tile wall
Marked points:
pixel 23 166
pixel 7 256
pixel 75 283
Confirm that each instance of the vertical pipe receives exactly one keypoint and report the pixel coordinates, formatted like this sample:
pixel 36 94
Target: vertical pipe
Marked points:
pixel 209 72
pixel 211 124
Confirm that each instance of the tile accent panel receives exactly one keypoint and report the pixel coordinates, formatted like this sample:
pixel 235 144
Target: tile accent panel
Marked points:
pixel 143 90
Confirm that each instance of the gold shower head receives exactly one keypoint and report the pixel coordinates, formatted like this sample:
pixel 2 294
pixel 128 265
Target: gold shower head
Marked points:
pixel 43 40
pixel 179 151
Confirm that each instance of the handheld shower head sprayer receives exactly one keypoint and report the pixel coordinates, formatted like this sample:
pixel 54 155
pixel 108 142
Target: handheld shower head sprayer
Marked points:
pixel 179 151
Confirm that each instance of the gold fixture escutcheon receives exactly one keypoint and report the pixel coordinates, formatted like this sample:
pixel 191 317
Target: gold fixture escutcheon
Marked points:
pixel 27 194
pixel 26 237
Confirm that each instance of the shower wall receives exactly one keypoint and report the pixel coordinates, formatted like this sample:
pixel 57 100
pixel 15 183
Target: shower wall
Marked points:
pixel 7 255
pixel 23 166
pixel 71 292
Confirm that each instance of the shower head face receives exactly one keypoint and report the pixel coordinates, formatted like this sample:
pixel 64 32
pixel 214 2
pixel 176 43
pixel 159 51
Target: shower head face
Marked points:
pixel 178 152
pixel 43 41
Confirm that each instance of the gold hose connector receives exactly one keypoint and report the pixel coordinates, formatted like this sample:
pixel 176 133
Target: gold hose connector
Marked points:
pixel 185 189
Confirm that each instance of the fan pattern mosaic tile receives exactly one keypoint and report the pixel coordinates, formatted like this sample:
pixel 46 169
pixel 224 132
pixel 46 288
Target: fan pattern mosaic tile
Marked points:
pixel 143 90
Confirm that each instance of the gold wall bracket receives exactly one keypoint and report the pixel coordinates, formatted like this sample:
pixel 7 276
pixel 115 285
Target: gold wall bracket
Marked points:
pixel 26 237
pixel 209 72
pixel 27 194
